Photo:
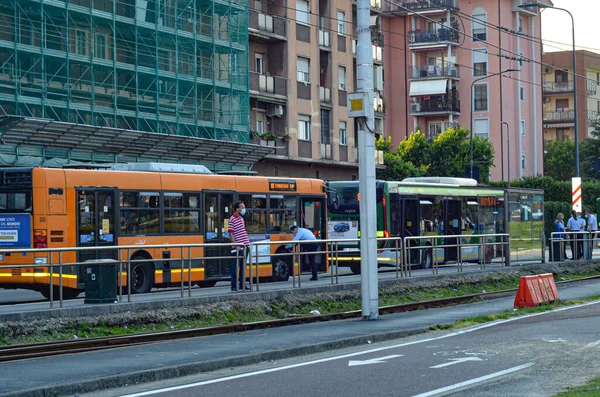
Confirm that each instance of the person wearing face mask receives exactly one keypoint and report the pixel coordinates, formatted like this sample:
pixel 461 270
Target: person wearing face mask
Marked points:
pixel 301 233
pixel 239 235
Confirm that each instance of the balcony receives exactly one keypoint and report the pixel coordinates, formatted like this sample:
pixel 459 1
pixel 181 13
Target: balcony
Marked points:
pixel 325 94
pixel 435 105
pixel 591 87
pixel 376 5
pixel 531 10
pixel 378 105
pixel 403 7
pixel 377 54
pixel 442 37
pixel 326 151
pixel 269 85
pixel 324 39
pixel 559 116
pixel 269 25
pixel 435 71
pixel 593 115
pixel 558 87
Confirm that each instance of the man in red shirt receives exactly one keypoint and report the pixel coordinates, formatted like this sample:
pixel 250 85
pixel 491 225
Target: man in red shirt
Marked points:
pixel 238 234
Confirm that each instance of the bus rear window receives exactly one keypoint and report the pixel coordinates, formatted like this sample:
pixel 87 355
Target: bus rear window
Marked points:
pixel 15 202
pixel 344 200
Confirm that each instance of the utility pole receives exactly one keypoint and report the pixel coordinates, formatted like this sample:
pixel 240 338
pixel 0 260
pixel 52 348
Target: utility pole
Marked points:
pixel 366 165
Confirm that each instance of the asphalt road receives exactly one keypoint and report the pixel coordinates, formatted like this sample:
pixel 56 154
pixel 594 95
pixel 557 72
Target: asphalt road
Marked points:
pixel 536 355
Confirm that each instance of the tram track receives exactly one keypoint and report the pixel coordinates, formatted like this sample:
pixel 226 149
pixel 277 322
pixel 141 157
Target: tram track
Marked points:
pixel 48 349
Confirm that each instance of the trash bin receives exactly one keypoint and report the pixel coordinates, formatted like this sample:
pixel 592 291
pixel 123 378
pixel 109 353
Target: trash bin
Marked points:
pixel 100 281
pixel 558 251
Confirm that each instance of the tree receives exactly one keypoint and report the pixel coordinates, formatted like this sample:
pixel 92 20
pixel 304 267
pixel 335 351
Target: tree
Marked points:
pixel 450 153
pixel 416 149
pixel 483 157
pixel 589 152
pixel 396 169
pixel 560 159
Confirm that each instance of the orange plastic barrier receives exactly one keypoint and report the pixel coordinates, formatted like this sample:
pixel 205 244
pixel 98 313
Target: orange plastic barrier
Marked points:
pixel 534 290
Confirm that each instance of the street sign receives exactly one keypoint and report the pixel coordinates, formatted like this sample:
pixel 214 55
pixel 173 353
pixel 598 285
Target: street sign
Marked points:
pixel 576 193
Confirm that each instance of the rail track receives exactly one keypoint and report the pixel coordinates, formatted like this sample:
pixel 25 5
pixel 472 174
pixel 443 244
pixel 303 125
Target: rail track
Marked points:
pixel 39 350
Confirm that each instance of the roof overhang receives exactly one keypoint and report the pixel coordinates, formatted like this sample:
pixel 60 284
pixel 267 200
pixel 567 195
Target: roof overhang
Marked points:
pixel 559 125
pixel 429 87
pixel 45 133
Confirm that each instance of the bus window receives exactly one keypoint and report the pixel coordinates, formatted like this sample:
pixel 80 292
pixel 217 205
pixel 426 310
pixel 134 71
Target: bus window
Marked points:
pixel 179 217
pixel 344 200
pixel 143 219
pixel 15 202
pixel 282 212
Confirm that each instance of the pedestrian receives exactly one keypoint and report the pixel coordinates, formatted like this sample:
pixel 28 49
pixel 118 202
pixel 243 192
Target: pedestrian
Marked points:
pixel 238 235
pixel 560 228
pixel 573 226
pixel 302 234
pixel 581 222
pixel 592 228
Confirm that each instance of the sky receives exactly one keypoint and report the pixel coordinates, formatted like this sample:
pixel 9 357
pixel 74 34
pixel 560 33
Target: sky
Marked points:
pixel 556 25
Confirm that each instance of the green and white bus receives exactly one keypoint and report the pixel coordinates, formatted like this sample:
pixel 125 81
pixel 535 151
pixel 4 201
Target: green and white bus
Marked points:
pixel 439 206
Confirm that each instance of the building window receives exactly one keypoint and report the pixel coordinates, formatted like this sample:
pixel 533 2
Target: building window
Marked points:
pixel 260 127
pixel 521 61
pixel 480 61
pixel 522 93
pixel 80 42
pixel 343 133
pixel 480 97
pixel 523 127
pixel 562 104
pixel 520 25
pixel 304 128
pixel 481 127
pixel 303 12
pixel 341 23
pixel 325 134
pixel 303 67
pixel 523 161
pixel 258 63
pixel 478 24
pixel 101 46
pixel 434 129
pixel 561 133
pixel 342 78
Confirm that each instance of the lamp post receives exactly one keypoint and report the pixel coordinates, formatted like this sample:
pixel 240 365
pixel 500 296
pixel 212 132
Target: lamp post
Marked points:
pixel 471 114
pixel 507 149
pixel 576 126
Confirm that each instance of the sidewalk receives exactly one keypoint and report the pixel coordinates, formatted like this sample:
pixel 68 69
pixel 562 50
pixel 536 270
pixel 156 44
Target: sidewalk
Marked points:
pixel 86 372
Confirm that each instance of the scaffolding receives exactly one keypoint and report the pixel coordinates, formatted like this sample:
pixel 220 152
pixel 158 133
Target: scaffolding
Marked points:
pixel 175 67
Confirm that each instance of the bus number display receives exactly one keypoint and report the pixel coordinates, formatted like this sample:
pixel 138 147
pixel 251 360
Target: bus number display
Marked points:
pixel 282 186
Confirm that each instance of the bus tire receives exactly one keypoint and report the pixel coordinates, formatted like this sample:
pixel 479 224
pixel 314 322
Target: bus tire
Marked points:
pixel 142 276
pixel 355 268
pixel 427 259
pixel 282 268
pixel 206 284
pixel 68 293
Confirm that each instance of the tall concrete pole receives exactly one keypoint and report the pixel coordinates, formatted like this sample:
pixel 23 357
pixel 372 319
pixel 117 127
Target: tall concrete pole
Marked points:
pixel 366 166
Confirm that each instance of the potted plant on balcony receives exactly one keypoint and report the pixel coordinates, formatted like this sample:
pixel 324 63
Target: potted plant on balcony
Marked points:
pixel 286 137
pixel 267 136
pixel 254 134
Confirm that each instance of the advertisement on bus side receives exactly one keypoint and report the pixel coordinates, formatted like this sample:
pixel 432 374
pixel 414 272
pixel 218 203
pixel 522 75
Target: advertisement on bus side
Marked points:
pixel 15 230
pixel 338 230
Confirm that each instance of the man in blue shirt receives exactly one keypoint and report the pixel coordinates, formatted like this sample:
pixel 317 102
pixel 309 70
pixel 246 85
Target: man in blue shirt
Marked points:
pixel 302 234
pixel 576 243
pixel 592 228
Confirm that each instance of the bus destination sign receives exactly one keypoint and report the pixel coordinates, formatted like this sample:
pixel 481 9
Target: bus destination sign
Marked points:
pixel 282 186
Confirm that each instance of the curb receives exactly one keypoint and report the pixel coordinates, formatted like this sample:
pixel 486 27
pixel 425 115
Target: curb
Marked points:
pixel 153 375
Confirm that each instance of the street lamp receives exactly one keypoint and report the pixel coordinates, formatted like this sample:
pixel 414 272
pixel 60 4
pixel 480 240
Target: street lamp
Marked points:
pixel 471 115
pixel 542 5
pixel 507 149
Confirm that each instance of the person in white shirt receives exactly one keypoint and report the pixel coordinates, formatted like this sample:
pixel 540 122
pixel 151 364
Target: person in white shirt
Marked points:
pixel 592 228
pixel 576 246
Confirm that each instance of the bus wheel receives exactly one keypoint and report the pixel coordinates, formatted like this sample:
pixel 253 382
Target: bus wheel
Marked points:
pixel 282 268
pixel 426 261
pixel 68 293
pixel 355 268
pixel 141 278
pixel 206 284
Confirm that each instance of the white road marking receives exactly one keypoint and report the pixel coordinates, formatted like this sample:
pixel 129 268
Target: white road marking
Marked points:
pixel 593 344
pixel 323 360
pixel 380 360
pixel 472 382
pixel 456 361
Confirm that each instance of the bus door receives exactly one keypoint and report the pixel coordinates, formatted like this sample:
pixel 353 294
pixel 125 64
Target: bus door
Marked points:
pixel 405 215
pixel 313 216
pixel 96 226
pixel 218 207
pixel 452 227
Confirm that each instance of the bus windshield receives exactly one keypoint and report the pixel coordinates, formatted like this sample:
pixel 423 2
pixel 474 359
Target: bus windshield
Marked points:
pixel 343 199
pixel 15 201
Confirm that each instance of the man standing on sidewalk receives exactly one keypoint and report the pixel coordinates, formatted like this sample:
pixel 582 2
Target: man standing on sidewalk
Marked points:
pixel 304 234
pixel 238 234
pixel 592 228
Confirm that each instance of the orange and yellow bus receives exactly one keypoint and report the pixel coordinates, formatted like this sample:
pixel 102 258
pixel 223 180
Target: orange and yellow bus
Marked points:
pixel 146 204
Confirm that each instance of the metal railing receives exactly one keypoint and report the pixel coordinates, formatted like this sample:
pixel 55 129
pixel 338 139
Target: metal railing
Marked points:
pixel 561 86
pixel 482 249
pixel 581 244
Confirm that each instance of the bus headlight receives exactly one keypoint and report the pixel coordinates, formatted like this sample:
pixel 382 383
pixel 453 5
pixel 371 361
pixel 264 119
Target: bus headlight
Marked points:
pixel 41 261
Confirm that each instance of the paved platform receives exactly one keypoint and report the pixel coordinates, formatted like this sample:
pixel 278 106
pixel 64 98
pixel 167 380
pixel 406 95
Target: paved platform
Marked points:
pixel 86 372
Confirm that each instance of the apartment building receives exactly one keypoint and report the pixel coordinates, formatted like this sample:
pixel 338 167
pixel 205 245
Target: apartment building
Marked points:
pixel 449 45
pixel 125 80
pixel 559 94
pixel 302 66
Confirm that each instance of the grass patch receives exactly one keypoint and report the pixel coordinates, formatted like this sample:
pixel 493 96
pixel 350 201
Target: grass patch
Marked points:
pixel 591 389
pixel 244 312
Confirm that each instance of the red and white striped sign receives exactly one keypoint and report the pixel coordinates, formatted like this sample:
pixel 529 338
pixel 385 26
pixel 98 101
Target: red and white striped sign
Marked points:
pixel 576 194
